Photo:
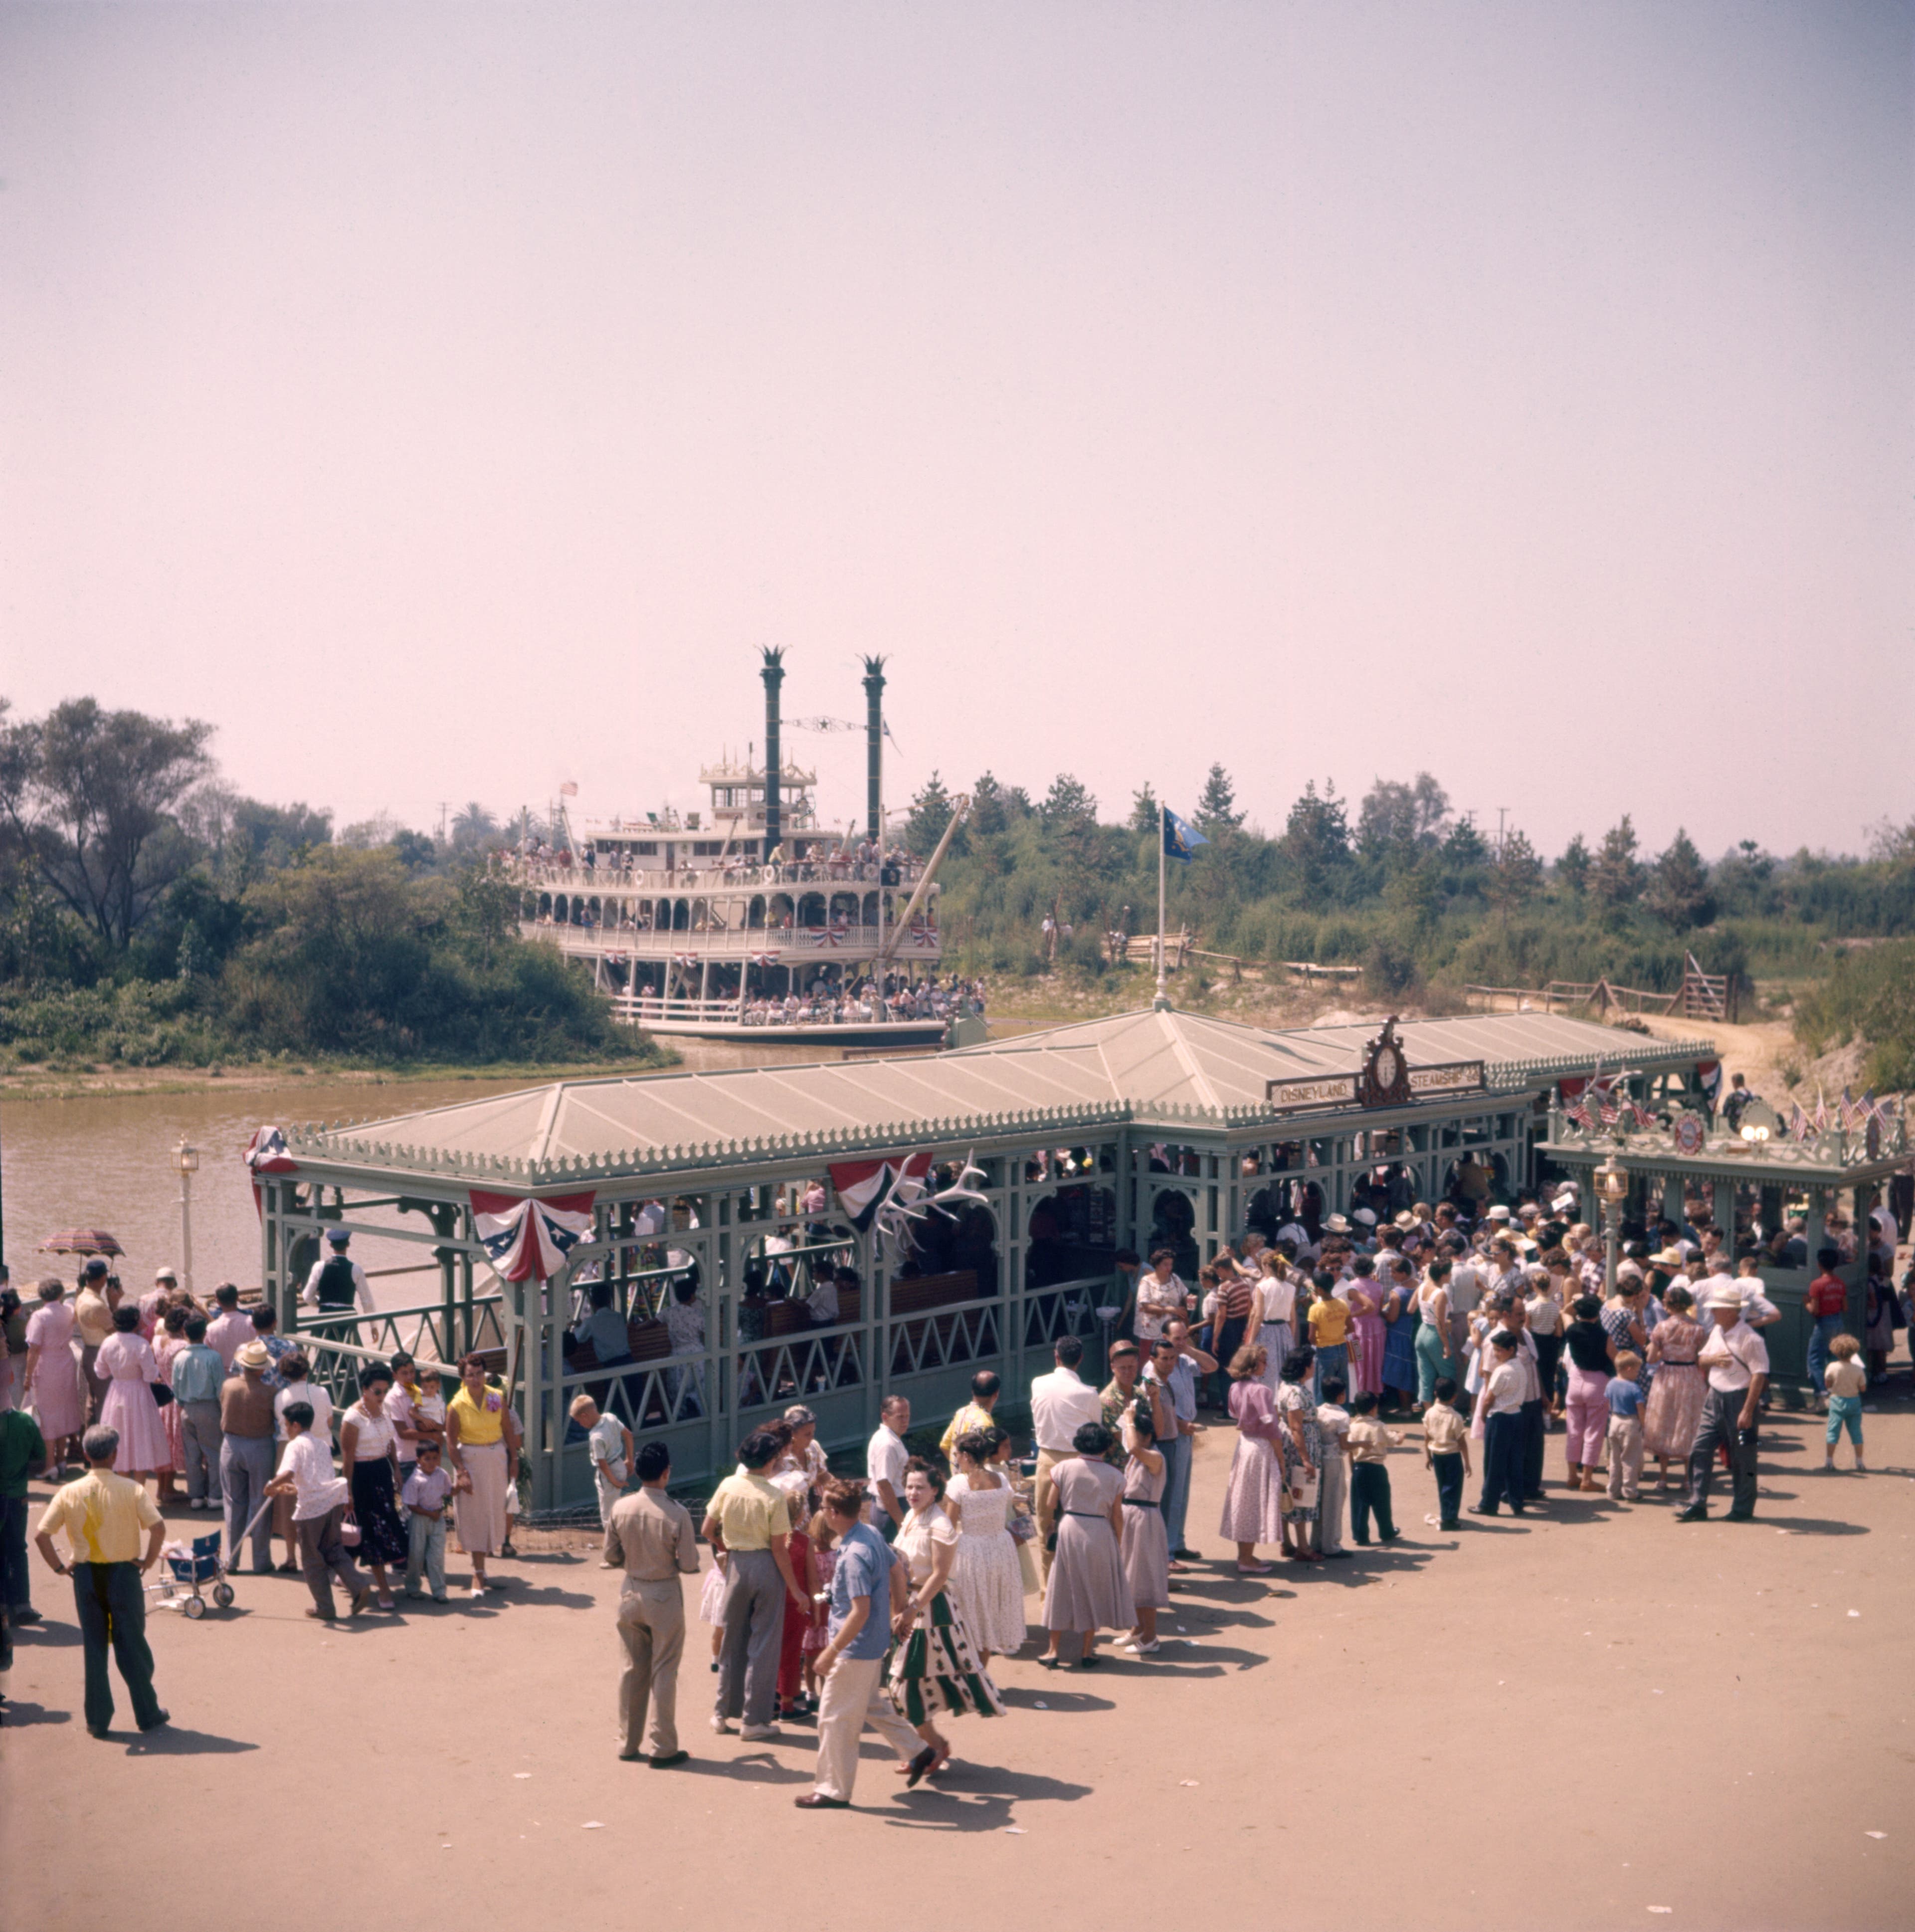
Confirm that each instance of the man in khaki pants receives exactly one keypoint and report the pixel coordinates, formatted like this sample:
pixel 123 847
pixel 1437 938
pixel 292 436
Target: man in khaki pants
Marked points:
pixel 650 1538
pixel 1062 1403
pixel 869 1585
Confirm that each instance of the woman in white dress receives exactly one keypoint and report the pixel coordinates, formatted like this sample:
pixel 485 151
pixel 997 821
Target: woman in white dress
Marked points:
pixel 987 1586
pixel 126 1366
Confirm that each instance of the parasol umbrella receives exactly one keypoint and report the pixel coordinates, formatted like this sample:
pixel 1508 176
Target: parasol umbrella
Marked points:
pixel 82 1241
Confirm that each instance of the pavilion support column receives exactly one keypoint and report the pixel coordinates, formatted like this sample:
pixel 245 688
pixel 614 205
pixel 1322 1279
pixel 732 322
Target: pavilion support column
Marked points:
pixel 1815 1230
pixel 1672 1198
pixel 1722 1211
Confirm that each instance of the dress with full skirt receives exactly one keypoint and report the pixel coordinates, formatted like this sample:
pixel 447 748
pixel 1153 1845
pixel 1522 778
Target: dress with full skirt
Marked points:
pixel 1254 1494
pixel 1673 1411
pixel 1146 1541
pixel 1087 1591
pixel 125 1364
pixel 986 1585
pixel 57 1399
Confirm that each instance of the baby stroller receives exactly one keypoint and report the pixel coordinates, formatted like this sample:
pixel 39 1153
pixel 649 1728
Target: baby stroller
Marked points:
pixel 186 1569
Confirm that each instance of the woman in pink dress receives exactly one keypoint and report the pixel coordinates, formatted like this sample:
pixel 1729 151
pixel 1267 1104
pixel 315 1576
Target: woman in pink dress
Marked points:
pixel 1369 1336
pixel 1253 1497
pixel 53 1372
pixel 1676 1396
pixel 125 1364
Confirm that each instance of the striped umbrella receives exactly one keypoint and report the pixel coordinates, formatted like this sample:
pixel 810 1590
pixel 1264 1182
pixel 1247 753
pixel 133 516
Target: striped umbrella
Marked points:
pixel 82 1241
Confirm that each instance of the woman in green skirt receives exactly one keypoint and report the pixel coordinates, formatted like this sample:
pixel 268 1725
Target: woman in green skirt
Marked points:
pixel 934 1666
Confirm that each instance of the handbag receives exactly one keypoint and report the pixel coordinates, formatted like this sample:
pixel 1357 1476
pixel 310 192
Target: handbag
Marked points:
pixel 162 1394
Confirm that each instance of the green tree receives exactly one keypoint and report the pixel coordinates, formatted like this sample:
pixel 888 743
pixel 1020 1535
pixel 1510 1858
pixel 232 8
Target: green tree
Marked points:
pixel 1067 806
pixel 1146 818
pixel 1616 876
pixel 1678 888
pixel 1315 844
pixel 1573 868
pixel 1397 821
pixel 988 814
pixel 930 813
pixel 1517 876
pixel 94 795
pixel 1216 807
pixel 473 829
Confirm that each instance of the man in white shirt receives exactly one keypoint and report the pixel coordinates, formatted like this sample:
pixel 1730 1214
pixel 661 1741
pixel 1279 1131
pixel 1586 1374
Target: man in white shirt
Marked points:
pixel 1062 1403
pixel 1736 1360
pixel 1468 1279
pixel 608 1443
pixel 337 1282
pixel 884 1461
pixel 1502 1399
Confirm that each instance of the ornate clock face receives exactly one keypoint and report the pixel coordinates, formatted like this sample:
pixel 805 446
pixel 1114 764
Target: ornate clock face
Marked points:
pixel 1388 1069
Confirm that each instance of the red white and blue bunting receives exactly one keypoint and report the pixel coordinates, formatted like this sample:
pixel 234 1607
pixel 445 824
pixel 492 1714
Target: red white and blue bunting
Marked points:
pixel 267 1153
pixel 525 1239
pixel 863 1186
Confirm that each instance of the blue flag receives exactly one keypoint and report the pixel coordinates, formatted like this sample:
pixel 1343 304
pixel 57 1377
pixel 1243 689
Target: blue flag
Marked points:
pixel 1179 838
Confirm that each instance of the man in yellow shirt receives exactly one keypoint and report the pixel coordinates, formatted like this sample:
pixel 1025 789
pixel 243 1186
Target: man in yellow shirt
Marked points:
pixel 748 1523
pixel 104 1515
pixel 976 1413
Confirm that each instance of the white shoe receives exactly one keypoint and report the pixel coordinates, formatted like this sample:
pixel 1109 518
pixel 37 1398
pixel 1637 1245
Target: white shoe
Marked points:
pixel 760 1734
pixel 1150 1649
pixel 721 1725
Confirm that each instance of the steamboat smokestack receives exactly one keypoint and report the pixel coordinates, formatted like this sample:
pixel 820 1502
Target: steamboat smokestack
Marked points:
pixel 874 746
pixel 773 675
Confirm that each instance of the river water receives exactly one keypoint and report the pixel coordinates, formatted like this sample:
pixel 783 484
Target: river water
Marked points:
pixel 106 1161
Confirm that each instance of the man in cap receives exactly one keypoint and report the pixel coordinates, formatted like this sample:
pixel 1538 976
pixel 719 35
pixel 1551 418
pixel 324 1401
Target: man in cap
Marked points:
pixel 103 1516
pixel 1736 1360
pixel 337 1284
pixel 246 1429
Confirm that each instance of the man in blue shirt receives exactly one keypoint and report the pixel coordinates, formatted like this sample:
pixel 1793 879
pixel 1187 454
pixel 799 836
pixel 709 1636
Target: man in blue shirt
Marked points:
pixel 869 1589
pixel 197 1373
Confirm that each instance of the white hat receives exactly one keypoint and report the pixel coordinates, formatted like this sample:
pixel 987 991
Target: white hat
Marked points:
pixel 1336 1224
pixel 1563 1203
pixel 1364 1215
pixel 1723 1297
pixel 164 1274
pixel 1498 1213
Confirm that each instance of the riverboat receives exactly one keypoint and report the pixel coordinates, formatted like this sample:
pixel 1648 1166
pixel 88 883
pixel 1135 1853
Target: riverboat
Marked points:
pixel 750 918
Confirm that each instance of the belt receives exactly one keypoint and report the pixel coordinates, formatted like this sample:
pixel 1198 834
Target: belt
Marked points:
pixel 1090 1516
pixel 1136 1502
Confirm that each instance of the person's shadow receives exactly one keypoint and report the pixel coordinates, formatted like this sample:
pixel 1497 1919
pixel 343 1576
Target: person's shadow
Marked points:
pixel 969 1797
pixel 172 1740
pixel 15 1713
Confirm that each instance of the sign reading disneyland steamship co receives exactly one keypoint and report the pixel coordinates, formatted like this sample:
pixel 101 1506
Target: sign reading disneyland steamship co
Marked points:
pixel 1386 1079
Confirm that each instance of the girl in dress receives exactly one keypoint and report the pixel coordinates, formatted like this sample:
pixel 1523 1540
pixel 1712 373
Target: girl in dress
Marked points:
pixel 987 1586
pixel 711 1604
pixel 1300 1445
pixel 369 1453
pixel 823 1563
pixel 934 1666
pixel 1676 1396
pixel 1253 1496
pixel 1146 1542
pixel 1086 1591
pixel 125 1365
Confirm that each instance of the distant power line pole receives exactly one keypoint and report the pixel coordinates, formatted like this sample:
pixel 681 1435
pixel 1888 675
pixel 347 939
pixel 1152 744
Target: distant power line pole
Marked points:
pixel 445 806
pixel 1503 812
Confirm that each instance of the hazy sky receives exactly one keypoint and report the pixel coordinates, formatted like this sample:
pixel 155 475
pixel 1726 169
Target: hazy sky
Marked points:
pixel 446 400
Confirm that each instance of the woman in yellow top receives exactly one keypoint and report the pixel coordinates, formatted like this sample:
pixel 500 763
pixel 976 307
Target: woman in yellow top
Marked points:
pixel 1329 1331
pixel 481 1438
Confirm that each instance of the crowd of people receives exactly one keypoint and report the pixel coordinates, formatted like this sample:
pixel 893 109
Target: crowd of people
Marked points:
pixel 863 860
pixel 883 1603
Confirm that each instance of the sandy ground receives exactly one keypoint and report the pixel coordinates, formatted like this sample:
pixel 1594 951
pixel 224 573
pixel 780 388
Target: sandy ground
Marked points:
pixel 1567 1721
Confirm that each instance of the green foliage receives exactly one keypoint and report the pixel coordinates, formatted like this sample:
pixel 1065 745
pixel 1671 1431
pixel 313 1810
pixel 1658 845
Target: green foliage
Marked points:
pixel 930 812
pixel 1217 807
pixel 1869 994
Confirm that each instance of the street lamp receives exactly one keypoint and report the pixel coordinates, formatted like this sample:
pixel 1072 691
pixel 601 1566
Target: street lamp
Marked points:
pixel 1612 1187
pixel 186 1161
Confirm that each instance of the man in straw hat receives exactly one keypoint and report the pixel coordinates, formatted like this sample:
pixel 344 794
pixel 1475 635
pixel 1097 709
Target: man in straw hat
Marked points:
pixel 1736 1361
pixel 246 1427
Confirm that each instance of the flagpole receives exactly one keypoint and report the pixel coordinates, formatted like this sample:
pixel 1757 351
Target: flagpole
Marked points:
pixel 1162 999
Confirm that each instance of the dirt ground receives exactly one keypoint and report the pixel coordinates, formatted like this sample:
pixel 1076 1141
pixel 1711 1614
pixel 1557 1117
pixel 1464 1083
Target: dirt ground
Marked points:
pixel 1591 1717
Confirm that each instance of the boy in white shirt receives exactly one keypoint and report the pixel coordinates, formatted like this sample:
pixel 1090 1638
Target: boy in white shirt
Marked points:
pixel 427 1491
pixel 608 1442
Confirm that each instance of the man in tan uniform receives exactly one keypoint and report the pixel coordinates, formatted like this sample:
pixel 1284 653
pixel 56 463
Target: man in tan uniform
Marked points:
pixel 650 1538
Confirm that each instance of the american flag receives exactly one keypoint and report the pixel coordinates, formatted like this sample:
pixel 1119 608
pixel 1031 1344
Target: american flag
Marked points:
pixel 1800 1125
pixel 1819 1121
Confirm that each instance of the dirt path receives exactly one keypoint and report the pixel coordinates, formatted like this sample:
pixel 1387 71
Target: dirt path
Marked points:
pixel 1564 1721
